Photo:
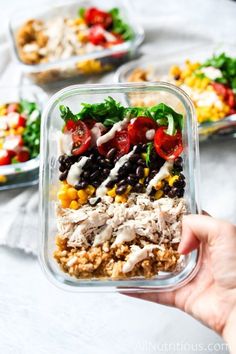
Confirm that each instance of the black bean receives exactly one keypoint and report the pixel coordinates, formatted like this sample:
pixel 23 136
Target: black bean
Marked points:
pixel 88 165
pixel 81 185
pixel 111 154
pixel 134 158
pixel 96 184
pixel 110 184
pixel 106 163
pixel 122 182
pixel 61 158
pixel 138 148
pixel 106 171
pixel 166 188
pixel 181 177
pixel 95 175
pixel 153 173
pixel 63 176
pixel 140 172
pixel 127 165
pixel 62 167
pixel 179 183
pixel 131 180
pixel 180 193
pixel 141 162
pixel 178 162
pixel 173 192
pixel 86 174
pixel 122 171
pixel 121 190
pixel 138 188
pixel 144 147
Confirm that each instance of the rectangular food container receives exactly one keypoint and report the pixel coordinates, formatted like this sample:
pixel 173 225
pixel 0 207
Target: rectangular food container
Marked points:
pixel 75 66
pixel 73 97
pixel 26 173
pixel 159 68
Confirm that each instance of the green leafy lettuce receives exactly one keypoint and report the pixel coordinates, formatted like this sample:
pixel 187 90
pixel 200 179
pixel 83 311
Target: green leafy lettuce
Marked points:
pixel 110 112
pixel 119 26
pixel 227 66
pixel 31 135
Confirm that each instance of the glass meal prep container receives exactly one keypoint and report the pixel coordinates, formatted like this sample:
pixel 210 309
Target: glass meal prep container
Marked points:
pixel 59 255
pixel 152 69
pixel 96 58
pixel 20 174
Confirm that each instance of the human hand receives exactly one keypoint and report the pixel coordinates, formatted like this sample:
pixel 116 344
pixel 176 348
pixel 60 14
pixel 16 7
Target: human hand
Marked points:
pixel 211 296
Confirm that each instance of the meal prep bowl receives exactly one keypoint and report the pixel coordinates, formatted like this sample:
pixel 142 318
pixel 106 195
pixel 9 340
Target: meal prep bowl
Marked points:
pixel 73 97
pixel 26 173
pixel 78 65
pixel 159 67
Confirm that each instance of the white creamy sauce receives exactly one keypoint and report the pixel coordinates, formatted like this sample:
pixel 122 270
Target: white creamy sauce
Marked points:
pixel 103 236
pixel 65 143
pixel 111 133
pixel 28 48
pixel 150 134
pixel 102 189
pixel 96 132
pixel 163 173
pixel 126 234
pixel 211 72
pixel 76 170
pixel 3 123
pixel 137 255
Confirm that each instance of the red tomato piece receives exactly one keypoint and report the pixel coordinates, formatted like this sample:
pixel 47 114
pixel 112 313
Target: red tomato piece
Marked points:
pixel 23 155
pixel 70 125
pixel 138 129
pixel 94 16
pixel 81 137
pixel 96 35
pixel 5 158
pixel 13 107
pixel 120 141
pixel 168 146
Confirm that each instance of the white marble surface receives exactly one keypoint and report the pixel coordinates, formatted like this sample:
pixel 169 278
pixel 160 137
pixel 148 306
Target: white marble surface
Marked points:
pixel 36 317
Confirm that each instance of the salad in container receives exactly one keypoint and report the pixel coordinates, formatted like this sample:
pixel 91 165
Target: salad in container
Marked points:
pixel 210 83
pixel 116 182
pixel 72 39
pixel 20 117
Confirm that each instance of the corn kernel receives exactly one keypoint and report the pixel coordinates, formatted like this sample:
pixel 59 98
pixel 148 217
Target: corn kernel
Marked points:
pixel 144 155
pixel 159 194
pixel 120 199
pixel 74 205
pixel 90 190
pixel 141 180
pixel 3 179
pixel 82 37
pixel 175 70
pixel 83 196
pixel 159 185
pixel 172 180
pixel 128 189
pixel 62 195
pixel 112 192
pixel 65 203
pixel 72 193
pixel 20 130
pixel 146 171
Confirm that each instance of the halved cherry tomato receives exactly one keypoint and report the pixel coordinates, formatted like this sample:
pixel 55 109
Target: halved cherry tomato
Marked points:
pixel 120 141
pixel 96 35
pixel 226 93
pixel 16 120
pixel 81 137
pixel 5 158
pixel 70 125
pixel 138 129
pixel 13 107
pixel 168 146
pixel 94 16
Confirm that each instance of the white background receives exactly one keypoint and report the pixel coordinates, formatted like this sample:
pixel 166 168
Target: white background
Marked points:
pixel 36 317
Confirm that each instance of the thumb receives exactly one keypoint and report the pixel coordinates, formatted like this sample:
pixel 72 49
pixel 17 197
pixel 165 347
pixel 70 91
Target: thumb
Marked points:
pixel 197 229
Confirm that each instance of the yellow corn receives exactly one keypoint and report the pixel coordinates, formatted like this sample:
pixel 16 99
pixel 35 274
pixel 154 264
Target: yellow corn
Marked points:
pixel 72 193
pixel 90 190
pixel 141 180
pixel 83 196
pixel 62 195
pixel 74 205
pixel 112 192
pixel 82 37
pixel 144 155
pixel 128 189
pixel 172 180
pixel 159 194
pixel 3 179
pixel 65 203
pixel 120 199
pixel 146 171
pixel 175 70
pixel 159 185
pixel 20 130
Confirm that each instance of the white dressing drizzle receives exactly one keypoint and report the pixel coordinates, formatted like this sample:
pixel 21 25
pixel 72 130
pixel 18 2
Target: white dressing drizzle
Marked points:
pixel 163 173
pixel 126 234
pixel 102 189
pixel 76 170
pixel 111 133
